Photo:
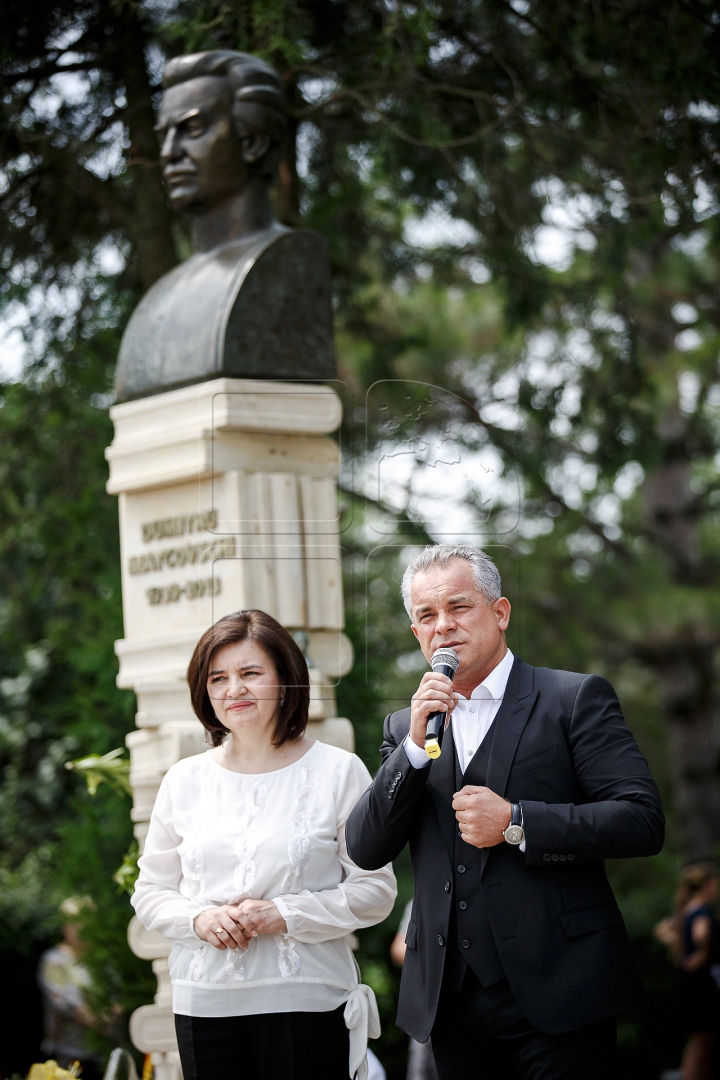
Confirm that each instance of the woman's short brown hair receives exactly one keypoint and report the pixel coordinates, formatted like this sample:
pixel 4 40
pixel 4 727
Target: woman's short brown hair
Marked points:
pixel 290 664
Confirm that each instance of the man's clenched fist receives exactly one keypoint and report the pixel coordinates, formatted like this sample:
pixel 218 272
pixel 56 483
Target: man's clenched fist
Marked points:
pixel 482 816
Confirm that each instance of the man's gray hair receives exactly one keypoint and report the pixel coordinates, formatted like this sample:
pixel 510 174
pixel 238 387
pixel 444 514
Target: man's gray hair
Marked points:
pixel 484 571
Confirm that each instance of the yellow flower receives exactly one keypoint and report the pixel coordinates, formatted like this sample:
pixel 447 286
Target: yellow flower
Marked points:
pixel 52 1071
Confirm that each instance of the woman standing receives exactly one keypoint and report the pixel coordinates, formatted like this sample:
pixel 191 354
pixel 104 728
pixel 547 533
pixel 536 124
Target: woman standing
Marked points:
pixel 245 870
pixel 690 936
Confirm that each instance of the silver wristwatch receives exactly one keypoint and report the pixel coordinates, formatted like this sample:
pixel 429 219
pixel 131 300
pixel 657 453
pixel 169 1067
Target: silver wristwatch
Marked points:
pixel 515 834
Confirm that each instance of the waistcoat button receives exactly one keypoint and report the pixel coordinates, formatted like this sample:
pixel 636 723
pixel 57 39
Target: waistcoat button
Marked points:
pixel 465 943
pixel 546 858
pixel 461 869
pixel 570 858
pixel 447 886
pixel 462 905
pixel 440 940
pixel 556 858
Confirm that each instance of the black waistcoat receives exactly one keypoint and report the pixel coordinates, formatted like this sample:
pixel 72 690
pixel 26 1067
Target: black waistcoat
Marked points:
pixel 470 938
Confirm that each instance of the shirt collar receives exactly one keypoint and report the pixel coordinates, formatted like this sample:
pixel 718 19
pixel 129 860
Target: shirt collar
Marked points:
pixel 494 685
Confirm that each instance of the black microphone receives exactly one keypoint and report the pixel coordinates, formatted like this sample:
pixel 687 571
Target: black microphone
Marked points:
pixel 445 662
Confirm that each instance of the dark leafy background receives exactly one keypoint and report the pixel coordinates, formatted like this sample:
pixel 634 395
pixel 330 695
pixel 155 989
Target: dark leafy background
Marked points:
pixel 592 382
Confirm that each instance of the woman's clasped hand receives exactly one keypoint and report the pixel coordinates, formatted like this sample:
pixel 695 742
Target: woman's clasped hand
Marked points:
pixel 233 926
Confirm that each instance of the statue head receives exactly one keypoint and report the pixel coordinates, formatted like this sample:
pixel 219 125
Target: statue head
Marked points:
pixel 221 127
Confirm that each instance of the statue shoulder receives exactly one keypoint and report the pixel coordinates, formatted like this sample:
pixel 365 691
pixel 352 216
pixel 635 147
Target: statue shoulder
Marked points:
pixel 280 322
pixel 256 307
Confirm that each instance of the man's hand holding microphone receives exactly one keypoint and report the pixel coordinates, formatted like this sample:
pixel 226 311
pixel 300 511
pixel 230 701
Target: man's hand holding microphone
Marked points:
pixel 481 814
pixel 434 695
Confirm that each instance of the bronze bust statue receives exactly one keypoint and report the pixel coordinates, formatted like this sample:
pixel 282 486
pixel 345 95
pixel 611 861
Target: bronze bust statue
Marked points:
pixel 253 300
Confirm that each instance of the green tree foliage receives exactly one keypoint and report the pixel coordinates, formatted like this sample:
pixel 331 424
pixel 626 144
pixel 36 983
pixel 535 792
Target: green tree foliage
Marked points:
pixel 521 204
pixel 59 615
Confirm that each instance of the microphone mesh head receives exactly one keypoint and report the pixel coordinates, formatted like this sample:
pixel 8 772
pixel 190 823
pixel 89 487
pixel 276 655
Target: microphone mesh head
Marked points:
pixel 444 658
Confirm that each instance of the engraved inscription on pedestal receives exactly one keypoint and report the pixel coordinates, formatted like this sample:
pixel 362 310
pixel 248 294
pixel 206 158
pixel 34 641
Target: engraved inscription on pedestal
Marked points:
pixel 261 540
pixel 175 566
pixel 182 557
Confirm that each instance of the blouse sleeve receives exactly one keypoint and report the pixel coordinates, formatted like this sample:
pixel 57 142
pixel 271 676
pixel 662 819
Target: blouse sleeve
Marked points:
pixel 363 897
pixel 158 902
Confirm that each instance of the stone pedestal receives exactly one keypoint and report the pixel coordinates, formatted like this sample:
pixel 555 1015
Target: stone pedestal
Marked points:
pixel 228 500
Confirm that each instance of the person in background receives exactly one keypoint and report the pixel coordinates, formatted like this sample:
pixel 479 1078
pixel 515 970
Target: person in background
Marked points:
pixel 421 1063
pixel 246 872
pixel 63 981
pixel 691 935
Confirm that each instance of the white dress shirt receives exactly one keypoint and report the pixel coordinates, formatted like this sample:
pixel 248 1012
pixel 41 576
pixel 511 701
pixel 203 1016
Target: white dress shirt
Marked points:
pixel 218 836
pixel 471 718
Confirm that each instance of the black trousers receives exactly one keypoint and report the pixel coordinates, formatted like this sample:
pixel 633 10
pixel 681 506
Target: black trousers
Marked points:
pixel 481 1034
pixel 266 1046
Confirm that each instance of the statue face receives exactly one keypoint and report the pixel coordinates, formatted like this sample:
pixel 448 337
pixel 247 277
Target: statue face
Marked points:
pixel 201 156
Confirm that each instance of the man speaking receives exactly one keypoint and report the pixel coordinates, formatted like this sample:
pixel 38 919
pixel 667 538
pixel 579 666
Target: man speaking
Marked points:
pixel 517 959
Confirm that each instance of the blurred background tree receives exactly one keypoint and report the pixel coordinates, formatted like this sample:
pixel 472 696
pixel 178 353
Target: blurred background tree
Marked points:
pixel 521 202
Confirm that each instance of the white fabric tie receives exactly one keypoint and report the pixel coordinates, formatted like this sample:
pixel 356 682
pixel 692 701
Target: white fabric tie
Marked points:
pixel 363 1021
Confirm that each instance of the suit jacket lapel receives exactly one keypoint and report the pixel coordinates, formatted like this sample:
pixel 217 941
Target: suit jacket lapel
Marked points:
pixel 441 783
pixel 510 723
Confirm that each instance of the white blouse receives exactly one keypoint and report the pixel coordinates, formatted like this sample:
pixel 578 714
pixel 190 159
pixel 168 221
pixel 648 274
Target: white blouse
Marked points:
pixel 219 837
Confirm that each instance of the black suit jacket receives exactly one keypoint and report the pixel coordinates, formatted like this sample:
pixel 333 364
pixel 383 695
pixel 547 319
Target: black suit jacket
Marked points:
pixel 561 747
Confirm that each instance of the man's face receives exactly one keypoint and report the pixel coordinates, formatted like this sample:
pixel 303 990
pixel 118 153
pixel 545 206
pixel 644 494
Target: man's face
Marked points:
pixel 201 156
pixel 448 610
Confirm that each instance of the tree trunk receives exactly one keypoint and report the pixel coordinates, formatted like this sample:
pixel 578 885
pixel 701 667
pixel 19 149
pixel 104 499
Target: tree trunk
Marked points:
pixel 148 217
pixel 683 660
pixel 687 680
pixel 287 189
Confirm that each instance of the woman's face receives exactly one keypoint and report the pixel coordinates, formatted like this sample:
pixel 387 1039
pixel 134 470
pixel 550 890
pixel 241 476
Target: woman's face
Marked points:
pixel 244 690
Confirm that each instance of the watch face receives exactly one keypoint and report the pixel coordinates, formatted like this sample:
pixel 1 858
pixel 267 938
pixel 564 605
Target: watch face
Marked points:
pixel 514 834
